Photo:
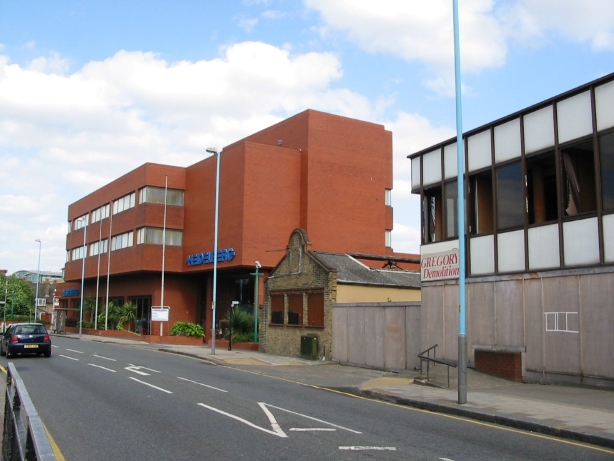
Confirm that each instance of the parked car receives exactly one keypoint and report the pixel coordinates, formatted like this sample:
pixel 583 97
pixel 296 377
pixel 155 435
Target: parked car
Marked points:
pixel 25 338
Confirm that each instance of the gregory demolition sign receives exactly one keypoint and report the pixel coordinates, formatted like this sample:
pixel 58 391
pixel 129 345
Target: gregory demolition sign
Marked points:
pixel 438 266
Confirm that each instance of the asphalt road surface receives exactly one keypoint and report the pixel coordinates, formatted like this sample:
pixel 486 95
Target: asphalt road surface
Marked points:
pixel 102 401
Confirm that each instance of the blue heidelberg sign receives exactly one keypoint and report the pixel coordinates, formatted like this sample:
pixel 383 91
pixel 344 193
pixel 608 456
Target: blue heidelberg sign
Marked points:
pixel 227 254
pixel 71 292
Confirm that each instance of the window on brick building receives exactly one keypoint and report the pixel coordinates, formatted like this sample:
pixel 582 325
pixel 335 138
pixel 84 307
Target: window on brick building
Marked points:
pixel 315 309
pixel 295 309
pixel 277 309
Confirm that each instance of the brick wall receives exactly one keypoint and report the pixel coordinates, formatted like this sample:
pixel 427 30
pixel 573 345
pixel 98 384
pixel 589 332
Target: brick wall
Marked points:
pixel 504 364
pixel 298 272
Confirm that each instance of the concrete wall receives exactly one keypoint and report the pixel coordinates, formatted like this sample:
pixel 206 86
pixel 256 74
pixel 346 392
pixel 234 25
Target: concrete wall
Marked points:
pixel 379 335
pixel 562 322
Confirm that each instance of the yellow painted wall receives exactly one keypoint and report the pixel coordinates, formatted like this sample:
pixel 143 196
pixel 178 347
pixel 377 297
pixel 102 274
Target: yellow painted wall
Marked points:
pixel 371 294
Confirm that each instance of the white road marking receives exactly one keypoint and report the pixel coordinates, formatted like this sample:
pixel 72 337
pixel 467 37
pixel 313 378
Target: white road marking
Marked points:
pixel 357 448
pixel 151 385
pixel 446 459
pixel 279 433
pixel 201 384
pixel 67 357
pixel 105 358
pixel 313 419
pixel 307 429
pixel 276 429
pixel 72 350
pixel 98 366
pixel 272 420
pixel 136 369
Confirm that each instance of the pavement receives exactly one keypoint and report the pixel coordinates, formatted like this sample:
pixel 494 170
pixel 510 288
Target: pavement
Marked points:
pixel 581 414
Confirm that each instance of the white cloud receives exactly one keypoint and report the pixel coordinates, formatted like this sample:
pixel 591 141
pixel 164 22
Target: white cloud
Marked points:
pixel 547 20
pixel 248 24
pixel 419 30
pixel 63 135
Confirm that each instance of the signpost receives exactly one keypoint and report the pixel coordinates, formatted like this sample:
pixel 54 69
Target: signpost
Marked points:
pixel 160 314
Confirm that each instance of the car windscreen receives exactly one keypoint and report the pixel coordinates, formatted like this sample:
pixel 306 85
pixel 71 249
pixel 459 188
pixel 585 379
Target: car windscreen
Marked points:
pixel 29 330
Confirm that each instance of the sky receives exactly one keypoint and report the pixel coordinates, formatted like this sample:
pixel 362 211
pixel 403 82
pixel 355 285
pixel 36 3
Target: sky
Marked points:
pixel 91 90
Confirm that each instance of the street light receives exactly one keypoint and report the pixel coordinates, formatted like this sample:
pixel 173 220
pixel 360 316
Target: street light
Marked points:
pixel 38 276
pixel 213 150
pixel 84 219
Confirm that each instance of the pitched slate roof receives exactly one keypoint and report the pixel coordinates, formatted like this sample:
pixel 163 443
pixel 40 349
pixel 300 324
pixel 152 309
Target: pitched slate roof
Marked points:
pixel 350 270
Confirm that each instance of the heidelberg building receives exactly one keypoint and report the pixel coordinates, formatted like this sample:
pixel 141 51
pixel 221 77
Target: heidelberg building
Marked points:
pixel 329 175
pixel 540 240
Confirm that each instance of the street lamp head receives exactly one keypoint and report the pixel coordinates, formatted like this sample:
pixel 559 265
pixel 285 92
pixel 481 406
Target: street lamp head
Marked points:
pixel 212 150
pixel 38 240
pixel 258 265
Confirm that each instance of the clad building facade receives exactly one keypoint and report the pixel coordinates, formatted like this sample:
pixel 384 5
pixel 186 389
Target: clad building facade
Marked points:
pixel 539 238
pixel 327 174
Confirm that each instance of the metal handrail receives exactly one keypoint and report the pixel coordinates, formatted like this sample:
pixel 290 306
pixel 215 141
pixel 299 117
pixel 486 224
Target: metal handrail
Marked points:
pixel 24 438
pixel 433 359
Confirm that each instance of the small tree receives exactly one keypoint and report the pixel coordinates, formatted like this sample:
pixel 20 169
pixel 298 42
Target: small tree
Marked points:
pixel 127 315
pixel 114 316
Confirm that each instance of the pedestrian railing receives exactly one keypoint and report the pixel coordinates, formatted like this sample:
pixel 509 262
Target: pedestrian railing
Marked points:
pixel 426 357
pixel 24 436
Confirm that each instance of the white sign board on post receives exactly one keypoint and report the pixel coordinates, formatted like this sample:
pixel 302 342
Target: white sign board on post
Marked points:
pixel 160 314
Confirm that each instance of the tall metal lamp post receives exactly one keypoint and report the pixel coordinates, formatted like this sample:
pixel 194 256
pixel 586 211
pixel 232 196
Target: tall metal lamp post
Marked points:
pixel 213 150
pixel 84 218
pixel 256 292
pixel 38 277
pixel 462 326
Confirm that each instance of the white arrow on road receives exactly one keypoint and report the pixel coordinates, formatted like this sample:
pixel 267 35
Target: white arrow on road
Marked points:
pixel 136 369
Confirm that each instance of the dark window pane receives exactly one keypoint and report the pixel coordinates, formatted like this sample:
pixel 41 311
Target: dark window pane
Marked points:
pixel 433 215
pixel 579 179
pixel 606 150
pixel 295 309
pixel 277 309
pixel 542 203
pixel 510 198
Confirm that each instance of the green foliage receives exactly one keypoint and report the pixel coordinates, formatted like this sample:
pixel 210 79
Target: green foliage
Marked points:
pixel 241 323
pixel 243 337
pixel 115 314
pixel 87 324
pixel 187 329
pixel 127 314
pixel 20 296
pixel 71 322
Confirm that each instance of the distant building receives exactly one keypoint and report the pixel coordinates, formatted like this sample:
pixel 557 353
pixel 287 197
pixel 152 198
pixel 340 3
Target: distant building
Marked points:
pixel 540 240
pixel 45 276
pixel 327 174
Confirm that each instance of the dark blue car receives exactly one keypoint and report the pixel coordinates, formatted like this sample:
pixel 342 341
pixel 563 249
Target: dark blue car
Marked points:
pixel 25 338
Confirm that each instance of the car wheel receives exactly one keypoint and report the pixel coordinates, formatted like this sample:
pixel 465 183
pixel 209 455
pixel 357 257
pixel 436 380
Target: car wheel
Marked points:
pixel 48 353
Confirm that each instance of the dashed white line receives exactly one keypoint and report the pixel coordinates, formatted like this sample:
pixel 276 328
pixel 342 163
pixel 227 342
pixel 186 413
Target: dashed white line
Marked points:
pixel 71 358
pixel 105 358
pixel 104 368
pixel 358 448
pixel 76 352
pixel 308 429
pixel 151 385
pixel 201 384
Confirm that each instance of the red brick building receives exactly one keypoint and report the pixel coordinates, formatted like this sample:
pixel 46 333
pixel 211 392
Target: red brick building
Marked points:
pixel 327 174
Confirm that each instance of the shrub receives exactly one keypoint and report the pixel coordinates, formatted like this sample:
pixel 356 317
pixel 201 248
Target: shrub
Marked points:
pixel 71 322
pixel 86 324
pixel 243 337
pixel 187 329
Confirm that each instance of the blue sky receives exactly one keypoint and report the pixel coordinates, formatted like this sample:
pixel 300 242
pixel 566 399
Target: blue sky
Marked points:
pixel 91 90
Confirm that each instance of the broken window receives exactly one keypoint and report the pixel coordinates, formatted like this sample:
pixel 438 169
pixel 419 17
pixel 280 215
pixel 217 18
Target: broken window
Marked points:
pixel 433 215
pixel 542 203
pixel 579 179
pixel 295 309
pixel 277 309
pixel 480 203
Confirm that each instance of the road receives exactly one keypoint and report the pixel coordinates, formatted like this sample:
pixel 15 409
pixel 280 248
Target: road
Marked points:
pixel 104 401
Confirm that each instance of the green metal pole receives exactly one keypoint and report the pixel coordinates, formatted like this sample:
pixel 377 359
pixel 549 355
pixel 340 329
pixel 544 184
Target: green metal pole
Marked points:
pixel 256 274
